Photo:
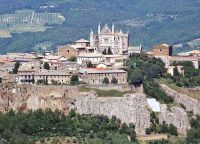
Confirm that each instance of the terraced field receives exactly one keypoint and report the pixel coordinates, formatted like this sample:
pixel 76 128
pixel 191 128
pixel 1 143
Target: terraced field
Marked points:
pixel 27 21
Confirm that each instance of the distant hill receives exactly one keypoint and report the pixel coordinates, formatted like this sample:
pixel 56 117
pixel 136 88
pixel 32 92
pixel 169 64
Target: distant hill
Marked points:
pixel 149 22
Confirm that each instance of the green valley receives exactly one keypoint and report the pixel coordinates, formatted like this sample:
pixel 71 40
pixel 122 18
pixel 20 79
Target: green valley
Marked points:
pixel 149 22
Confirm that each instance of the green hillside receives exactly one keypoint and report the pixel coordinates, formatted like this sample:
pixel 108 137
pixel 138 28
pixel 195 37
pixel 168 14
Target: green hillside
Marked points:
pixel 149 22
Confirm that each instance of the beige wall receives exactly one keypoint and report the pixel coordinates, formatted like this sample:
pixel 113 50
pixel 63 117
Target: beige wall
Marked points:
pixel 67 51
pixel 162 50
pixel 61 79
pixel 96 79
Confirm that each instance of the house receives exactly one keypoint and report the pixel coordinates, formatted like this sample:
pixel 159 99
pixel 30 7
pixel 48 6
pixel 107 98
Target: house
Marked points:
pixel 193 53
pixel 51 76
pixel 95 76
pixel 168 60
pixel 117 61
pixel 82 43
pixel 162 50
pixel 26 76
pixel 54 61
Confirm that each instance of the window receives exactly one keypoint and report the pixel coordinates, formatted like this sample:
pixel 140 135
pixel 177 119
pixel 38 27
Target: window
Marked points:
pixel 68 51
pixel 160 50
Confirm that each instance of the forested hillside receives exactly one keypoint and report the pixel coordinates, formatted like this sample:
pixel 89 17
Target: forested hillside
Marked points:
pixel 149 22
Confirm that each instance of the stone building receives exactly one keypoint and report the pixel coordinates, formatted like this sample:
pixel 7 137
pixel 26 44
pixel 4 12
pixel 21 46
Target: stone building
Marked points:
pixel 26 76
pixel 112 39
pixel 53 76
pixel 67 51
pixel 83 43
pixel 95 76
pixel 31 76
pixel 162 50
pixel 94 58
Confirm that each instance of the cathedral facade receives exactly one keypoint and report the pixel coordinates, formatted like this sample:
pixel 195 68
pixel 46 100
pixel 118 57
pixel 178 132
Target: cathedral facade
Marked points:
pixel 110 40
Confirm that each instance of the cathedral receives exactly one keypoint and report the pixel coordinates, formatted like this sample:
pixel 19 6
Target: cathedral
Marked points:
pixel 110 41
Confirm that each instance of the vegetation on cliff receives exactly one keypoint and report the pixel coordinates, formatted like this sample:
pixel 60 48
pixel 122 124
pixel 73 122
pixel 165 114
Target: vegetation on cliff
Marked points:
pixel 193 135
pixel 26 128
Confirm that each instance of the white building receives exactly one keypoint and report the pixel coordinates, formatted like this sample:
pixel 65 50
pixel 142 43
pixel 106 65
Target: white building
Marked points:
pixel 94 58
pixel 112 39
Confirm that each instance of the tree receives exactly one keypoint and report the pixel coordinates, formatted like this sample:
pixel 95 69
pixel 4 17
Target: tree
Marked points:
pixel 114 80
pixel 41 82
pixel 133 135
pixel 89 65
pixel 46 66
pixel 124 129
pixel 153 71
pixel 136 77
pixel 53 82
pixel 105 80
pixel 164 127
pixel 74 80
pixel 173 130
pixel 73 59
pixel 148 131
pixel 176 73
pixel 16 67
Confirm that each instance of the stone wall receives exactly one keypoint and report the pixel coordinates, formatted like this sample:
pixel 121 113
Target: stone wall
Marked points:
pixel 190 104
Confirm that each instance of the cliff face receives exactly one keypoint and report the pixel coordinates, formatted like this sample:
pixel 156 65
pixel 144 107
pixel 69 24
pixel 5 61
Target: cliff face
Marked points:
pixel 129 109
pixel 132 108
pixel 190 104
pixel 176 116
pixel 36 97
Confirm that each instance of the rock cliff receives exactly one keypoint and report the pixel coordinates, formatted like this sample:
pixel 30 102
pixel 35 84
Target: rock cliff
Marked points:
pixel 176 116
pixel 190 104
pixel 35 97
pixel 129 109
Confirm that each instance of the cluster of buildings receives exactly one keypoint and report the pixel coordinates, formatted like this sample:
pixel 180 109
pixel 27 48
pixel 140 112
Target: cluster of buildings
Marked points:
pixel 103 56
pixel 93 61
pixel 165 53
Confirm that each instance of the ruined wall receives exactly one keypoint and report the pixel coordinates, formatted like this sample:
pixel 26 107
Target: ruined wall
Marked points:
pixel 176 116
pixel 190 104
pixel 129 109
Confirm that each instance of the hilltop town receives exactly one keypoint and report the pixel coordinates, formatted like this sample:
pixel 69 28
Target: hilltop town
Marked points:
pixel 135 94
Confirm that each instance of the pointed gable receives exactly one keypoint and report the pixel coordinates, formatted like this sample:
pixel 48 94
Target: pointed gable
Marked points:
pixel 106 29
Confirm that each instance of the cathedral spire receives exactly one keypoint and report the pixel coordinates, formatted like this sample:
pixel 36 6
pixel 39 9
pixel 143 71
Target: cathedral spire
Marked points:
pixel 113 28
pixel 99 28
pixel 91 38
pixel 91 32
